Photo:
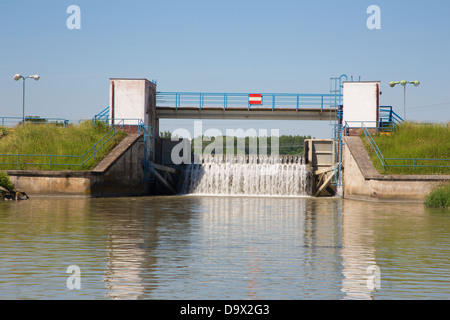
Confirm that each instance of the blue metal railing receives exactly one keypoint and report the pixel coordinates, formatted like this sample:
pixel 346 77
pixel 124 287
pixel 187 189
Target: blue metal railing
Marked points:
pixel 336 90
pixel 379 126
pixel 339 132
pixel 129 122
pixel 226 101
pixel 13 121
pixel 101 143
pixel 388 117
pixel 418 163
pixel 148 134
pixel 102 116
pixel 373 145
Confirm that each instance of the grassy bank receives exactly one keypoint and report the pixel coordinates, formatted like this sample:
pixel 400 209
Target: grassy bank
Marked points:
pixel 439 198
pixel 65 144
pixel 415 141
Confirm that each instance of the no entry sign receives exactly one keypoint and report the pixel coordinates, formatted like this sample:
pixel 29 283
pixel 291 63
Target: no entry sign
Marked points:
pixel 254 99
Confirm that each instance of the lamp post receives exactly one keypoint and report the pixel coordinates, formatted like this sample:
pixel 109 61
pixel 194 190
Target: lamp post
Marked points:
pixel 17 77
pixel 404 83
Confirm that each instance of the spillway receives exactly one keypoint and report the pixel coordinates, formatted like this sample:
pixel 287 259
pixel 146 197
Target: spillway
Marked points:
pixel 247 175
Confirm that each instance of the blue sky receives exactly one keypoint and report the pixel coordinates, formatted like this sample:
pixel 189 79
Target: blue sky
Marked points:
pixel 223 46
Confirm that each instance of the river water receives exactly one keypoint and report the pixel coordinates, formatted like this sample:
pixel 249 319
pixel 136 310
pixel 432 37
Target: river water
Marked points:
pixel 222 247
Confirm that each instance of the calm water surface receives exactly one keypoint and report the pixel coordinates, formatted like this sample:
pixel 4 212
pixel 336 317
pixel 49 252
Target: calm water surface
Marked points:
pixel 192 247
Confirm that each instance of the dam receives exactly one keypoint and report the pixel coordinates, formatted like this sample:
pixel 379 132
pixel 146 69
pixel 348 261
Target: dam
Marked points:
pixel 142 164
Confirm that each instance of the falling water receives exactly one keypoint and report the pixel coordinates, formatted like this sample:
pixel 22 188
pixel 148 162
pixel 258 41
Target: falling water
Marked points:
pixel 246 176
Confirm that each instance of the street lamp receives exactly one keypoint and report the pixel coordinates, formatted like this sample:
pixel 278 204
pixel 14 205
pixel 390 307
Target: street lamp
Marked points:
pixel 404 83
pixel 17 77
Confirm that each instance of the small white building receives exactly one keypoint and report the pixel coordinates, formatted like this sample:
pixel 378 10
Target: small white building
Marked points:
pixel 133 100
pixel 361 102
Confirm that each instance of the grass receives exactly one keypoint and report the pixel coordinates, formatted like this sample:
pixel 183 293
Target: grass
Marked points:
pixel 66 144
pixel 439 198
pixel 414 141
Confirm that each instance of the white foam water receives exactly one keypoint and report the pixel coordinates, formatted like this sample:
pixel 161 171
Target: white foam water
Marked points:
pixel 249 176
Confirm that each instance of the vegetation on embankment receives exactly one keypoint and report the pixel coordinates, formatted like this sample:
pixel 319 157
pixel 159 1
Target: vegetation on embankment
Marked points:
pixel 413 141
pixel 35 142
pixel 439 198
pixel 5 182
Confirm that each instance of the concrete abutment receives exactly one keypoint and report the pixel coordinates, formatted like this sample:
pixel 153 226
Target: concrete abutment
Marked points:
pixel 363 182
pixel 120 173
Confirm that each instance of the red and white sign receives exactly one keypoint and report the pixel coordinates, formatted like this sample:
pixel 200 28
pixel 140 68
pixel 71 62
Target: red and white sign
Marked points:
pixel 255 99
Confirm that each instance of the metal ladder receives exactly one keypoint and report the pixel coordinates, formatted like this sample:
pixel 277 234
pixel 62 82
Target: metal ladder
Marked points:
pixel 336 90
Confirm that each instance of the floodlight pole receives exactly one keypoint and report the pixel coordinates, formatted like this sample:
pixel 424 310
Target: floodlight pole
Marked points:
pixel 404 83
pixel 17 77
pixel 23 101
pixel 404 102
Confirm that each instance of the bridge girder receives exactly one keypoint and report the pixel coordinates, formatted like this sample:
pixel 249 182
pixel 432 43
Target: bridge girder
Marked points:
pixel 244 113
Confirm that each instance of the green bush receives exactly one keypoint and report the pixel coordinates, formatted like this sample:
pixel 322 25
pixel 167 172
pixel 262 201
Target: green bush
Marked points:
pixel 100 126
pixel 439 198
pixel 3 132
pixel 5 182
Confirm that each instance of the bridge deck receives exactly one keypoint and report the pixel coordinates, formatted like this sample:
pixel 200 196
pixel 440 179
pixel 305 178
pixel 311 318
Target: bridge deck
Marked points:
pixel 263 106
pixel 246 113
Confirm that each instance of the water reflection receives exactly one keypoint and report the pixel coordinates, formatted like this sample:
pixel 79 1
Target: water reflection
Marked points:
pixel 255 248
pixel 135 239
pixel 193 247
pixel 247 237
pixel 406 242
pixel 358 253
pixel 39 240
